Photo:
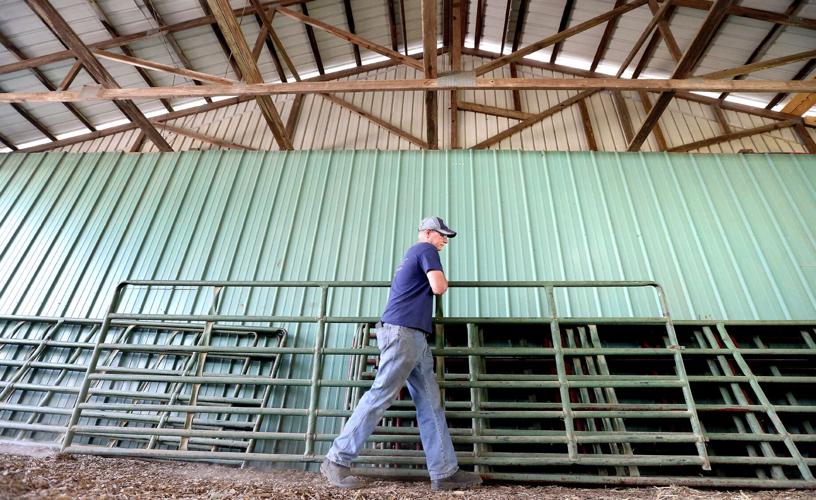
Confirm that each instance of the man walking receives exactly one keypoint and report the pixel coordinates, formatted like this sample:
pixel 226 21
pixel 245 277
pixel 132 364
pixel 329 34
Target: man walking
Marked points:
pixel 406 357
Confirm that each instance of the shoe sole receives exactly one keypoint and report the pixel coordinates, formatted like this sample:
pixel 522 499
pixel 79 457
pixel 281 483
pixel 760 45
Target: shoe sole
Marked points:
pixel 455 487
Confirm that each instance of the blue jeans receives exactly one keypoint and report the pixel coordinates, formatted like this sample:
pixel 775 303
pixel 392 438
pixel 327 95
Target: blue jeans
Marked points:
pixel 404 357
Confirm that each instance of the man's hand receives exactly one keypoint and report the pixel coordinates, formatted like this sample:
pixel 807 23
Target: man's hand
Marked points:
pixel 438 281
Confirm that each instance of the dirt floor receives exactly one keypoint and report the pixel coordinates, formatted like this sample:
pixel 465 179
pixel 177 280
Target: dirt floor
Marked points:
pixel 28 471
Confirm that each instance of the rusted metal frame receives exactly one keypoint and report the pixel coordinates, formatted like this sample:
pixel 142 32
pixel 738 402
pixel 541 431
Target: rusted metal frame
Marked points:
pixel 46 82
pixel 734 135
pixel 662 145
pixel 569 6
pixel 374 119
pixel 722 366
pixel 805 138
pixel 770 410
pixel 611 25
pixel 803 72
pixel 550 40
pixel 587 124
pixel 313 41
pixel 759 14
pixel 766 41
pixel 265 24
pixel 352 38
pixel 67 35
pixel 103 19
pixel 352 29
pixel 494 111
pixel 477 35
pixel 534 119
pixel 207 20
pixel 169 37
pixel 708 29
pixel 207 107
pixel 204 137
pixel 196 76
pixel 430 65
pixel 392 24
pixel 235 40
pixel 458 19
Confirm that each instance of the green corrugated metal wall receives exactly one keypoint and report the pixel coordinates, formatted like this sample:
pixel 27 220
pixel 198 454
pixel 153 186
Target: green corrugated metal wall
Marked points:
pixel 729 237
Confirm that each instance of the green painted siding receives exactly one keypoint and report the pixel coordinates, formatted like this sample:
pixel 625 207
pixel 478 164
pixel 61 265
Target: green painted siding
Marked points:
pixel 729 237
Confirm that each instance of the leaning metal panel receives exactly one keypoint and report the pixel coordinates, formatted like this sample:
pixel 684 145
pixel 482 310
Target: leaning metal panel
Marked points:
pixel 632 400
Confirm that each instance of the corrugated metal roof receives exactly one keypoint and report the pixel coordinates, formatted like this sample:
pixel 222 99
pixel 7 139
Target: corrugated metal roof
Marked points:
pixel 728 236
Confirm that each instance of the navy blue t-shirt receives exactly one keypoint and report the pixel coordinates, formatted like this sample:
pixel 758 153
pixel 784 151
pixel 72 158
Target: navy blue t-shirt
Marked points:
pixel 410 301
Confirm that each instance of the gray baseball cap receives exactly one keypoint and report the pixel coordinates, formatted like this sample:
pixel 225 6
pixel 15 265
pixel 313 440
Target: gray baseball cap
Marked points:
pixel 436 224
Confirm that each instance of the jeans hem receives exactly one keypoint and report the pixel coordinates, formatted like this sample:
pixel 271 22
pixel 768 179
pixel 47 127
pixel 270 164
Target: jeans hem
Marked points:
pixel 437 477
pixel 337 462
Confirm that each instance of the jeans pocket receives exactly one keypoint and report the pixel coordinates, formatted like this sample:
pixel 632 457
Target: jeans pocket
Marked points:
pixel 386 336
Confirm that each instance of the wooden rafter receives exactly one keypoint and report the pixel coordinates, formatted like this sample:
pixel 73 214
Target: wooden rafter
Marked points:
pixel 624 117
pixel 733 136
pixel 429 64
pixel 243 57
pixel 504 134
pixel 759 14
pixel 392 24
pixel 313 41
pixel 768 39
pixel 376 120
pixel 143 63
pixel 294 115
pixel 265 38
pixel 46 82
pixel 657 131
pixel 805 138
pixel 352 29
pixel 803 72
pixel 518 33
pixel 207 20
pixel 351 37
pixel 203 137
pixel 113 32
pixel 92 66
pixel 719 115
pixel 477 35
pixel 458 19
pixel 759 66
pixel 587 124
pixel 553 39
pixel 222 41
pixel 70 76
pixel 494 110
pixel 413 85
pixel 508 11
pixel 34 122
pixel 693 53
pixel 566 14
pixel 205 108
pixel 147 5
pixel 404 27
pixel 611 25
pixel 7 143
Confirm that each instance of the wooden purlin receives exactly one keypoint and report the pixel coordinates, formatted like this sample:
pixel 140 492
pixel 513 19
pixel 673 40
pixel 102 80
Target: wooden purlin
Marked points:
pixel 81 51
pixel 243 57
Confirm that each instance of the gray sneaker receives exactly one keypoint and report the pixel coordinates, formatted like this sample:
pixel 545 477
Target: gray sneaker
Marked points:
pixel 458 481
pixel 339 476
